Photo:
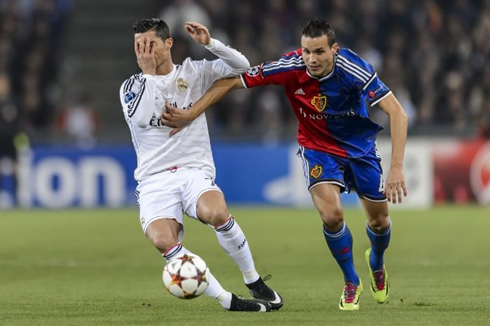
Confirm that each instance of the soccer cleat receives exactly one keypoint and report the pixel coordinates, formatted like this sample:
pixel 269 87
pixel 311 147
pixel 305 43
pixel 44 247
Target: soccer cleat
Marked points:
pixel 257 305
pixel 259 290
pixel 350 297
pixel 380 284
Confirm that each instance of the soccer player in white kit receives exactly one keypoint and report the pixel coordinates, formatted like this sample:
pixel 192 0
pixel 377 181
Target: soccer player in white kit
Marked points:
pixel 176 174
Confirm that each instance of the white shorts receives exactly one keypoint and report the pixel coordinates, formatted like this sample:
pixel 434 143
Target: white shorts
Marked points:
pixel 171 193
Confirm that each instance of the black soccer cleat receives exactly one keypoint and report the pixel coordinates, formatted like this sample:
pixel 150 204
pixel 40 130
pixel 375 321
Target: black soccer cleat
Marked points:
pixel 256 305
pixel 259 290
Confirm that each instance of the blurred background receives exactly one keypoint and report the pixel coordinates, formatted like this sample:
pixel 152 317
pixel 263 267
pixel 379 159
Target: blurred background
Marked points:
pixel 64 141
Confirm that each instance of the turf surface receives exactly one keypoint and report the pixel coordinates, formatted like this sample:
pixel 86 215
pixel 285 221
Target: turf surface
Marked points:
pixel 95 267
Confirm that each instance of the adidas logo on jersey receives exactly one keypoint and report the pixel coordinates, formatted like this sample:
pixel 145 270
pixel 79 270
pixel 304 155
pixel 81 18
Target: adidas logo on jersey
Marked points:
pixel 299 91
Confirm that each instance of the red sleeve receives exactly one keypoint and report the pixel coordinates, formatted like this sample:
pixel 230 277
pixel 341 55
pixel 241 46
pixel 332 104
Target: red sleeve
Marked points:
pixel 254 77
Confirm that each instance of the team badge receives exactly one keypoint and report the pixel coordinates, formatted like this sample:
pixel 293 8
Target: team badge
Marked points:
pixel 182 84
pixel 254 71
pixel 319 102
pixel 142 220
pixel 129 96
pixel 316 171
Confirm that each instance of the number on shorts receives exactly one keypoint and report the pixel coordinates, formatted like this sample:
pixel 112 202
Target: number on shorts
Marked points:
pixel 381 187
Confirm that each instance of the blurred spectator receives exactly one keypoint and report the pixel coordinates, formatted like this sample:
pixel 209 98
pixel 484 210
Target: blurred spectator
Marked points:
pixel 176 14
pixel 483 116
pixel 10 129
pixel 30 36
pixel 434 54
pixel 80 122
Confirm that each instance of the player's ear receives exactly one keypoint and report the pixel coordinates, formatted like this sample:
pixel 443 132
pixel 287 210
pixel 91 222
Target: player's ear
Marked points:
pixel 169 43
pixel 335 47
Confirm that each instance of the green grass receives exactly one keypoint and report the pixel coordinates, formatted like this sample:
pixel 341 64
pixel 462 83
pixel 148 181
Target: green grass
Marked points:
pixel 95 267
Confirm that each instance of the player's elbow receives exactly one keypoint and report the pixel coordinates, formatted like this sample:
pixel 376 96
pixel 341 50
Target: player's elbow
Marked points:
pixel 241 66
pixel 402 116
pixel 245 65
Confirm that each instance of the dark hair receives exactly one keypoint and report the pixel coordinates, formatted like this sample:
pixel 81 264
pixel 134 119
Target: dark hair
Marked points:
pixel 317 27
pixel 147 24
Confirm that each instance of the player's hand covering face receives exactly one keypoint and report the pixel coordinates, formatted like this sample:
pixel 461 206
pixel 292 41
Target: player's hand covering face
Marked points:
pixel 318 55
pixel 151 51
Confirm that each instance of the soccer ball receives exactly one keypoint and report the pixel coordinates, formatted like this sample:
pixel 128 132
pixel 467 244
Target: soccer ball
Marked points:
pixel 186 276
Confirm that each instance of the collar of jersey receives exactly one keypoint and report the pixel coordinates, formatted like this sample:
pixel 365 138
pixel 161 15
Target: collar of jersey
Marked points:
pixel 170 74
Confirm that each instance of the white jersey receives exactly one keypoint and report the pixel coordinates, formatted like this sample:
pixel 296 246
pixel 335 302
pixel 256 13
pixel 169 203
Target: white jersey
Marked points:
pixel 143 100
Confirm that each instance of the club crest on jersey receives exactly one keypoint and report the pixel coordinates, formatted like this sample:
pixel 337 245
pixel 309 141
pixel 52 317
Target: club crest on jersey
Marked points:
pixel 182 84
pixel 316 171
pixel 319 102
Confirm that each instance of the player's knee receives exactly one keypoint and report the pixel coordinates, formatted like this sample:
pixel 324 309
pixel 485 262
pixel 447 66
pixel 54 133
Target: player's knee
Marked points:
pixel 379 223
pixel 215 215
pixel 332 218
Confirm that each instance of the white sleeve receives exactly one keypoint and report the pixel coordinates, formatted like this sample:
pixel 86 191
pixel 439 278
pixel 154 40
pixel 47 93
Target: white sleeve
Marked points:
pixel 236 62
pixel 137 95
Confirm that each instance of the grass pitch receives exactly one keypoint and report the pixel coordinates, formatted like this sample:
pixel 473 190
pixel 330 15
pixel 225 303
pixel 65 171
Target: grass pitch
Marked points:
pixel 95 267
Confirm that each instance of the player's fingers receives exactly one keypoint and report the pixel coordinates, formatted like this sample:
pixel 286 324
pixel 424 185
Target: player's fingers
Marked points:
pixel 166 122
pixel 189 29
pixel 169 109
pixel 175 130
pixel 392 193
pixel 387 193
pixel 399 193
pixel 165 116
pixel 137 47
pixel 152 49
pixel 198 28
pixel 405 190
pixel 193 24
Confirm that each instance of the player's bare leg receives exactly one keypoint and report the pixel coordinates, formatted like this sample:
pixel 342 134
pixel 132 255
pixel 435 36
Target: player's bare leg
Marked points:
pixel 378 230
pixel 212 209
pixel 326 198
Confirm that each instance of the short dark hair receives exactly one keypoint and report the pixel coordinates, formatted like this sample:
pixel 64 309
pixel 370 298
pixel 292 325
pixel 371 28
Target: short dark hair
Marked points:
pixel 159 26
pixel 317 27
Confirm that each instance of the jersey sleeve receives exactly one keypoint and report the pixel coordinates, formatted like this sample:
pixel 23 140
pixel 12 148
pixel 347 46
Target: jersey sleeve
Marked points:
pixel 375 91
pixel 230 62
pixel 137 95
pixel 273 72
pixel 364 76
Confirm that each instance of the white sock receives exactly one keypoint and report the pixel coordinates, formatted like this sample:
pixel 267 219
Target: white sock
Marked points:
pixel 223 297
pixel 214 290
pixel 174 251
pixel 234 243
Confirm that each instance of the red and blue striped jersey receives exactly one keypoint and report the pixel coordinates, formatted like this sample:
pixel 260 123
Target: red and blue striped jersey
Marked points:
pixel 332 111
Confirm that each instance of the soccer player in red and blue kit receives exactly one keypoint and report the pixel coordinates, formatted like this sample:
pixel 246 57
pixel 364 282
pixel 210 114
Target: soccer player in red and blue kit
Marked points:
pixel 329 89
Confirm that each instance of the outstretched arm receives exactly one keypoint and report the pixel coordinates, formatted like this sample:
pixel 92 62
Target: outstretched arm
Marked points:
pixel 235 62
pixel 178 117
pixel 395 181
